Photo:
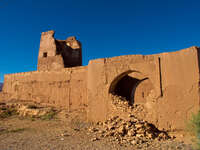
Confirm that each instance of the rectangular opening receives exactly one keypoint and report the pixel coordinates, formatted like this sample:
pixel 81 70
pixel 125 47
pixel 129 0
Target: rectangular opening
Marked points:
pixel 45 54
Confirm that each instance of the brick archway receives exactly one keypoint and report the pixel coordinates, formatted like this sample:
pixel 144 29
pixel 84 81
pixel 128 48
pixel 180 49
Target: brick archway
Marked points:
pixel 134 88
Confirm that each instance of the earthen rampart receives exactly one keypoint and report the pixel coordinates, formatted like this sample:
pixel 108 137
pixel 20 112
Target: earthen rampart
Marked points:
pixel 166 85
pixel 58 54
pixel 57 87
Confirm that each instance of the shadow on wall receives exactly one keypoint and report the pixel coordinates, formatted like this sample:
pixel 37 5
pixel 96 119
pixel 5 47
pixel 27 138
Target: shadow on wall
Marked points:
pixel 72 57
pixel 134 90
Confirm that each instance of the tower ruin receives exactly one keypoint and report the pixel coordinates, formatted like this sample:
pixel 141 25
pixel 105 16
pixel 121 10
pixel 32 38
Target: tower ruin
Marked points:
pixel 57 54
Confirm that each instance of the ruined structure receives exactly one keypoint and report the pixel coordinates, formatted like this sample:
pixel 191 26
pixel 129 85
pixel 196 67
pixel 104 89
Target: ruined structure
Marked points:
pixel 57 54
pixel 166 84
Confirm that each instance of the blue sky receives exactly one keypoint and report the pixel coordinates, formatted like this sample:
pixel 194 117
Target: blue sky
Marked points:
pixel 106 28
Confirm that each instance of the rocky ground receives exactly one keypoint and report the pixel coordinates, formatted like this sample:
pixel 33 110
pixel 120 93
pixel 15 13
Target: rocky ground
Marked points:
pixel 29 126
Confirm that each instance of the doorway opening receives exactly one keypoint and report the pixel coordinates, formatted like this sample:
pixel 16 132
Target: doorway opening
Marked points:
pixel 131 89
pixel 125 87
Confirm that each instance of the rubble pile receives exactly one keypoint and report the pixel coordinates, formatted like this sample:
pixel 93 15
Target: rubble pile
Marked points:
pixel 131 131
pixel 128 128
pixel 121 104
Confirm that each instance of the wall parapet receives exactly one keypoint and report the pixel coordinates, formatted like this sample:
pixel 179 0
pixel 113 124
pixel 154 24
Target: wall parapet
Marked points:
pixel 64 70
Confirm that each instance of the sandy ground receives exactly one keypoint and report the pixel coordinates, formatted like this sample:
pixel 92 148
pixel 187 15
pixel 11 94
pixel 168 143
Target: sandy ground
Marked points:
pixel 18 133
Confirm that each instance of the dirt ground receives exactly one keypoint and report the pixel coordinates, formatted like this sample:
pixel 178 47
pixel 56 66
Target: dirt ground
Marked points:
pixel 17 133
pixel 29 127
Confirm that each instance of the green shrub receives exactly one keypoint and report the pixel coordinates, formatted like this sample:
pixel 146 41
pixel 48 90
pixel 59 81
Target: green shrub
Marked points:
pixel 8 112
pixel 17 130
pixel 50 115
pixel 194 128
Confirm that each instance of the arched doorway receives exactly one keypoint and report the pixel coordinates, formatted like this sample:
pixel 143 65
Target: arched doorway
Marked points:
pixel 134 90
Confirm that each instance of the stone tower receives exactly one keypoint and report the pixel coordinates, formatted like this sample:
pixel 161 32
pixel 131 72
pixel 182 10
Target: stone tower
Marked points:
pixel 57 54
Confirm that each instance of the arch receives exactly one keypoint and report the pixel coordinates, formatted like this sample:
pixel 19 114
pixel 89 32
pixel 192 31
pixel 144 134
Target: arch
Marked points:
pixel 133 89
pixel 118 78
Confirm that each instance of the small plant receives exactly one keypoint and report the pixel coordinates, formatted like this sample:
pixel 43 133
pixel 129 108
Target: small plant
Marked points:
pixel 16 130
pixel 27 117
pixel 50 115
pixel 194 128
pixel 8 113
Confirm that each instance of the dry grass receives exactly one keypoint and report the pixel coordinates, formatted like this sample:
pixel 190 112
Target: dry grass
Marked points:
pixel 193 126
pixel 7 112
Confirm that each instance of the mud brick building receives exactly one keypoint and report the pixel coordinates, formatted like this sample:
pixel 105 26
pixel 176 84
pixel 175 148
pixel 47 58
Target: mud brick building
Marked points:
pixel 166 84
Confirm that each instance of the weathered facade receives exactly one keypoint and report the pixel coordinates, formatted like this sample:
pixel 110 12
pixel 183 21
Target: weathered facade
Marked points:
pixel 166 84
pixel 57 54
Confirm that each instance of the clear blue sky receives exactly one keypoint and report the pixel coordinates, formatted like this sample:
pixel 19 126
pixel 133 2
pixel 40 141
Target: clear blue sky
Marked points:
pixel 106 28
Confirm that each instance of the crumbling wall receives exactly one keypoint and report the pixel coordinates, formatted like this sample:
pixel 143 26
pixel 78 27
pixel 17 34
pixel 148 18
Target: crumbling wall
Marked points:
pixel 70 50
pixel 48 58
pixel 58 54
pixel 166 85
pixel 180 88
pixel 169 87
pixel 66 88
pixel 103 75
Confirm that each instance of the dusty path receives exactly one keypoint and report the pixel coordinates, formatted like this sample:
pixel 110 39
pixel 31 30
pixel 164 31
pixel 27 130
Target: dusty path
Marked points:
pixel 25 134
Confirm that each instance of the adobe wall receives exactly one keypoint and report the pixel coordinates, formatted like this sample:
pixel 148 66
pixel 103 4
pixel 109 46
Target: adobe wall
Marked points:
pixel 57 54
pixel 168 86
pixel 66 88
pixel 173 78
pixel 180 87
pixel 52 63
pixel 106 71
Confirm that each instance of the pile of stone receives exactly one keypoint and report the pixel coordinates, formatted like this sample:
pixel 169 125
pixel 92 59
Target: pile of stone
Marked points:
pixel 120 104
pixel 131 131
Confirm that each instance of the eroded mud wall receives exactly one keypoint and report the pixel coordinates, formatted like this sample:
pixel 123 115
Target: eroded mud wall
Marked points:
pixel 168 86
pixel 180 88
pixel 172 84
pixel 56 54
pixel 66 88
pixel 103 74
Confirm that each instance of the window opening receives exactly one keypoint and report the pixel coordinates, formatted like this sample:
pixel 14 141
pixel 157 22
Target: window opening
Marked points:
pixel 45 54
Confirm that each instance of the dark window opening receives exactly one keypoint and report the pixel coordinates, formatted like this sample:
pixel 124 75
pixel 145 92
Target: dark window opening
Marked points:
pixel 45 54
pixel 126 88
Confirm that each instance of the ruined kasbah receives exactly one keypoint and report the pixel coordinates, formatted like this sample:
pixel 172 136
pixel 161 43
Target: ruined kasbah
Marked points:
pixel 165 86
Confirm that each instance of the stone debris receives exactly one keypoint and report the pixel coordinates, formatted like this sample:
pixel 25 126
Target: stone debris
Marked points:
pixel 65 134
pixel 121 104
pixel 94 139
pixel 128 130
pixel 131 131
